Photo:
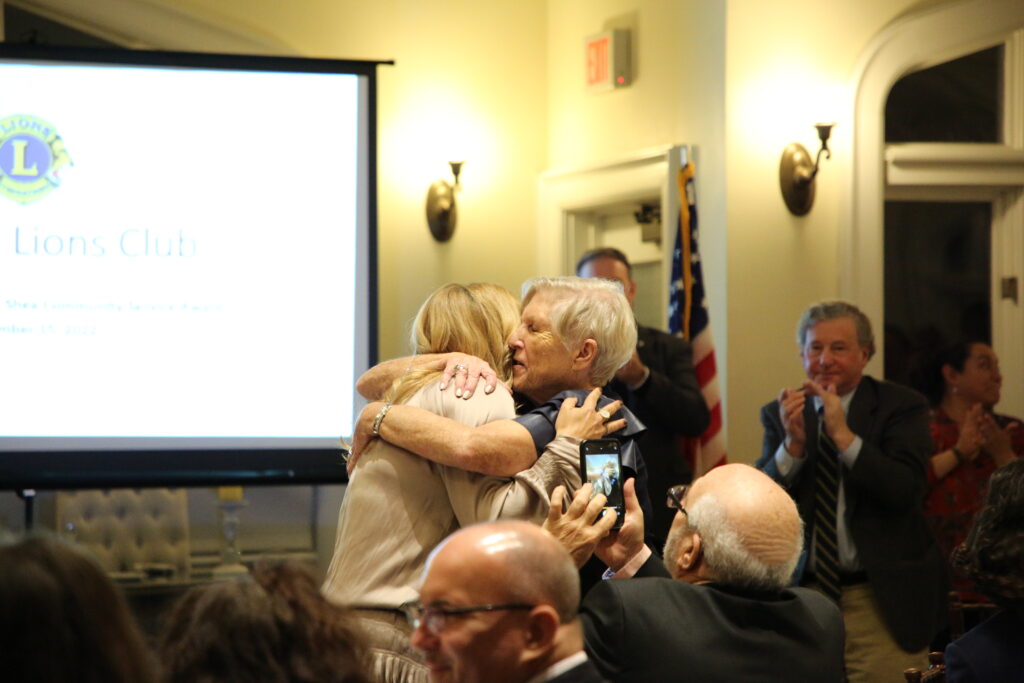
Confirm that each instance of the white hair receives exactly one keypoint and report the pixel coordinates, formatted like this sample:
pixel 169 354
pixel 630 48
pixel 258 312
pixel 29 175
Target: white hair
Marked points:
pixel 726 554
pixel 588 308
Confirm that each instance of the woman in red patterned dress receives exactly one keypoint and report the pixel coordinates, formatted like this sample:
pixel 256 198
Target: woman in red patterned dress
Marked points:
pixel 971 441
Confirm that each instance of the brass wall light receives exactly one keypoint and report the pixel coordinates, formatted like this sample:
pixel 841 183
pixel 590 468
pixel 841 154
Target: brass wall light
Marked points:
pixel 441 209
pixel 796 172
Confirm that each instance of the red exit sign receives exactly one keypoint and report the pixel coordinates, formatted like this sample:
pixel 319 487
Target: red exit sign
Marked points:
pixel 607 60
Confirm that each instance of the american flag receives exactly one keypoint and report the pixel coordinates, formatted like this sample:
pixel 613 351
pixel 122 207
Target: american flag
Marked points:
pixel 688 317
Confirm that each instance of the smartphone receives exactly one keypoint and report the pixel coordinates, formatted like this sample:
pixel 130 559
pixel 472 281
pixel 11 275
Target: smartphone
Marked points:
pixel 601 465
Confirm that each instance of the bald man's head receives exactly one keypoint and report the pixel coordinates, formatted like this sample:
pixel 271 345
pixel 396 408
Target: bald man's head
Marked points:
pixel 509 593
pixel 750 531
pixel 519 561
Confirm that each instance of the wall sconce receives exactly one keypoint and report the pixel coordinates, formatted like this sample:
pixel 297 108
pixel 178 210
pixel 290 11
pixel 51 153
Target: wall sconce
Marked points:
pixel 796 173
pixel 441 209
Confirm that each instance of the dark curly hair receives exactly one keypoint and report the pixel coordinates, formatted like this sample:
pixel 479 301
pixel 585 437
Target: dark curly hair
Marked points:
pixel 275 626
pixel 63 619
pixel 993 554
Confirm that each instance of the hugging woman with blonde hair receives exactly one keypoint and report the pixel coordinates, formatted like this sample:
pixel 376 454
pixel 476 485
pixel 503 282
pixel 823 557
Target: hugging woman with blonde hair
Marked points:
pixel 398 506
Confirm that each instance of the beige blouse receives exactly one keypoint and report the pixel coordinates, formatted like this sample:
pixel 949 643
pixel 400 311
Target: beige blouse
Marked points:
pixel 399 506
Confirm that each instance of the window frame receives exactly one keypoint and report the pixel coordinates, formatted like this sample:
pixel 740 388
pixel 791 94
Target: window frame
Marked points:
pixel 937 171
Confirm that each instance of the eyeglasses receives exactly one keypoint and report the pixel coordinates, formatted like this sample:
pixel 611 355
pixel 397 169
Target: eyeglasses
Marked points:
pixel 434 617
pixel 675 497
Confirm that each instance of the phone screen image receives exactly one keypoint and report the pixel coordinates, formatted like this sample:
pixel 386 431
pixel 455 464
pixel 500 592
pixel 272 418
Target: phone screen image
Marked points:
pixel 601 466
pixel 605 475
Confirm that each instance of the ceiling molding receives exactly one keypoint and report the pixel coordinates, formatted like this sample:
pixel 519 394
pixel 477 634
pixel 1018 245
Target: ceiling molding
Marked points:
pixel 156 24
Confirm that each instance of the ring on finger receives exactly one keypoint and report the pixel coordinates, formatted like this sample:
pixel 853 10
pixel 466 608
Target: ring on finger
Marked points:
pixel 604 413
pixel 460 368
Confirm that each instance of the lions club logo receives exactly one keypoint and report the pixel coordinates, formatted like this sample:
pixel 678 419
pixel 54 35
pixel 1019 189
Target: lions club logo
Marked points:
pixel 31 157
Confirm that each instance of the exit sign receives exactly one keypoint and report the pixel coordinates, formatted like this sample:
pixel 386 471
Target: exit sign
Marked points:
pixel 607 60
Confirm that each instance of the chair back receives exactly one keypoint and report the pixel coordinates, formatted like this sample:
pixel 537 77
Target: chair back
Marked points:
pixel 132 533
pixel 965 615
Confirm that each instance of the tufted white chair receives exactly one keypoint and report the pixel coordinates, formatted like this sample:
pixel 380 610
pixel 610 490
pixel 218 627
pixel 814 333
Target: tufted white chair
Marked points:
pixel 127 529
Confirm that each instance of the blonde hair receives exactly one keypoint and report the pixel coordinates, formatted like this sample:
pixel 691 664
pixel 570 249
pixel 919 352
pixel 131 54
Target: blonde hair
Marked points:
pixel 476 319
pixel 589 308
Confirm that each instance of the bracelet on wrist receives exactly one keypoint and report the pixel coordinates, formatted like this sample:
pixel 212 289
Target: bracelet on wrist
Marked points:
pixel 380 418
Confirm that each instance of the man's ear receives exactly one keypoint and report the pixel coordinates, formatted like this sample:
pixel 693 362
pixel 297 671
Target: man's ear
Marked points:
pixel 630 291
pixel 542 631
pixel 691 553
pixel 585 354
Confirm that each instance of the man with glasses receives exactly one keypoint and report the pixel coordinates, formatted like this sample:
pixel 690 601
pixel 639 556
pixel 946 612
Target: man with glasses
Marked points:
pixel 498 605
pixel 852 451
pixel 717 607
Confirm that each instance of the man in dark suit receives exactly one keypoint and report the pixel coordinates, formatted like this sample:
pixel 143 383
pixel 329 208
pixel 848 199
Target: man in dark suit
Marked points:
pixel 852 452
pixel 718 608
pixel 498 605
pixel 659 385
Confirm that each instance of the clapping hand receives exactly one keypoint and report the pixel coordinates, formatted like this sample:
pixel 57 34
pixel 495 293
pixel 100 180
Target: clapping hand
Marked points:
pixel 998 441
pixel 791 412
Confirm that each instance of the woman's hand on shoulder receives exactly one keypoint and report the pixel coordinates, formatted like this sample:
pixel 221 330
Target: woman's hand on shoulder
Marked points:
pixel 465 372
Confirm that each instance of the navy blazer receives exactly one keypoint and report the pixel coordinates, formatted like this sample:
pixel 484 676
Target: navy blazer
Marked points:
pixel 991 651
pixel 884 492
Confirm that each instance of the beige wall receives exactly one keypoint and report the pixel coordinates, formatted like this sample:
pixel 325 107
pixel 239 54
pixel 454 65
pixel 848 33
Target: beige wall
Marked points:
pixel 740 80
pixel 468 84
pixel 500 84
pixel 789 65
pixel 504 80
pixel 677 97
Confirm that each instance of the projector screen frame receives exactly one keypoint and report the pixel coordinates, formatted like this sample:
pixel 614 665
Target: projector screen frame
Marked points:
pixel 23 470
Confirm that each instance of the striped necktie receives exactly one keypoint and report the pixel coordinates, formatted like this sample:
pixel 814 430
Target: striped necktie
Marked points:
pixel 826 553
